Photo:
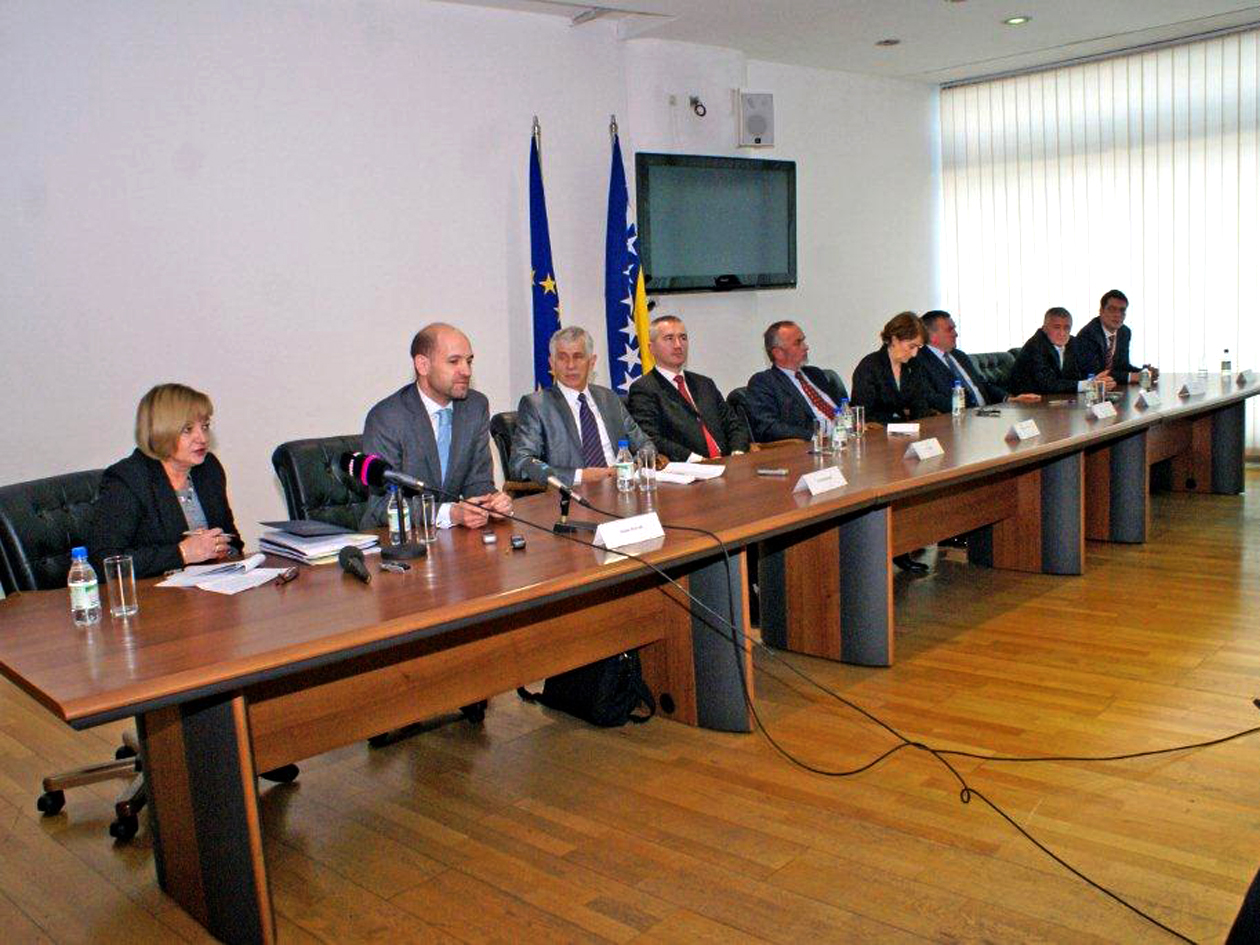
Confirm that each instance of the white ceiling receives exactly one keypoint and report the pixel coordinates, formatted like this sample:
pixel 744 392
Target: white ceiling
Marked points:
pixel 941 40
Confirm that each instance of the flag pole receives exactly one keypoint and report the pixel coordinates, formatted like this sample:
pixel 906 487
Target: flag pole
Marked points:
pixel 538 136
pixel 612 126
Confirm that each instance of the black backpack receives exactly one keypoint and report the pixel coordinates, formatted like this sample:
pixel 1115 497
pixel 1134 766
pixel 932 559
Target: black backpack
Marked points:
pixel 605 693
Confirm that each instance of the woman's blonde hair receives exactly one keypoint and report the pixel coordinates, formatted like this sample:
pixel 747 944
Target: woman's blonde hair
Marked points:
pixel 162 415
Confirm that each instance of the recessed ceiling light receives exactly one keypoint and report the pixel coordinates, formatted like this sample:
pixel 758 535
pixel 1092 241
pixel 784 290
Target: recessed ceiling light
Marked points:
pixel 1017 20
pixel 888 42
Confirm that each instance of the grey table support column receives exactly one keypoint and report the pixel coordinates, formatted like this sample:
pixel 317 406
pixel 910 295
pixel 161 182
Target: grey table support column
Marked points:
pixel 1228 426
pixel 866 589
pixel 1062 521
pixel 720 664
pixel 1129 489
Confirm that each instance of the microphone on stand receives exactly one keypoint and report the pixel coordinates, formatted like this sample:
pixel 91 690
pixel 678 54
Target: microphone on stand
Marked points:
pixel 372 471
pixel 544 475
pixel 353 563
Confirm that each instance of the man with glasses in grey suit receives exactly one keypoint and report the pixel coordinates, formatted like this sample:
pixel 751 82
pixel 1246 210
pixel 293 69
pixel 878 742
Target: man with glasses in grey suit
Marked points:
pixel 572 427
pixel 438 430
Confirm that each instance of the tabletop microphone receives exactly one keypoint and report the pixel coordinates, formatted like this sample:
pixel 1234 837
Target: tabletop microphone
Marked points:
pixel 545 475
pixel 373 471
pixel 352 562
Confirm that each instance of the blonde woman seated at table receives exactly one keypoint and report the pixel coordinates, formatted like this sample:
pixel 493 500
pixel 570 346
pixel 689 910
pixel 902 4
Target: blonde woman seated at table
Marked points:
pixel 166 504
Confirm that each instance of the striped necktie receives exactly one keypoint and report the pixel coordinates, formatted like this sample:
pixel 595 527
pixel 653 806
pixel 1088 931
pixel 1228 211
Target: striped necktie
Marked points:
pixel 592 449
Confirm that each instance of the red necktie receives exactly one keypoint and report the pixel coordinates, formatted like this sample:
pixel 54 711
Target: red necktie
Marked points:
pixel 714 452
pixel 815 398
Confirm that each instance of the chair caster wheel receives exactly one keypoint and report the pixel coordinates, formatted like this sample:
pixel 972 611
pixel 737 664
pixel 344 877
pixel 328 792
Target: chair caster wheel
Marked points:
pixel 282 775
pixel 51 802
pixel 123 752
pixel 124 828
pixel 475 713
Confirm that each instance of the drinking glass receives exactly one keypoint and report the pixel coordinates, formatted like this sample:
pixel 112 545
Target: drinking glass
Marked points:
pixel 645 462
pixel 120 577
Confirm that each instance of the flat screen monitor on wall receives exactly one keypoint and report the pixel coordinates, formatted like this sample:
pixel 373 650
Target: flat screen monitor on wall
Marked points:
pixel 715 223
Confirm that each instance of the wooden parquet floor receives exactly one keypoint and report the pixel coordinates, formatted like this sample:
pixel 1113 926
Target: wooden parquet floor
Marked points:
pixel 537 828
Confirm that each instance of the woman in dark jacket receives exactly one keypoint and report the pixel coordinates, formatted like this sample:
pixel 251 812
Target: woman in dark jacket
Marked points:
pixel 166 504
pixel 887 382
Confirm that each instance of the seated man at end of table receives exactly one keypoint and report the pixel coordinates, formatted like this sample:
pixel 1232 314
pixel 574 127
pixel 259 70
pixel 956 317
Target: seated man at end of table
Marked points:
pixel 1103 344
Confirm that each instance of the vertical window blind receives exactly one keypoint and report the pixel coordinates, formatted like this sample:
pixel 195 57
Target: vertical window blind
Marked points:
pixel 1140 172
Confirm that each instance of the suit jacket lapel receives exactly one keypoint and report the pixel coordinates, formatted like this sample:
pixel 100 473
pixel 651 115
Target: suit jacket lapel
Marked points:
pixel 608 413
pixel 673 395
pixel 561 405
pixel 165 501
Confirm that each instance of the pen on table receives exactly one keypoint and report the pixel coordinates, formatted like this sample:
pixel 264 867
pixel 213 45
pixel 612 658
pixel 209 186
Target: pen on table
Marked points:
pixel 287 575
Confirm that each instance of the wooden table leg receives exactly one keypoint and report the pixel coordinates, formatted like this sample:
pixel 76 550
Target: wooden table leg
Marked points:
pixel 203 808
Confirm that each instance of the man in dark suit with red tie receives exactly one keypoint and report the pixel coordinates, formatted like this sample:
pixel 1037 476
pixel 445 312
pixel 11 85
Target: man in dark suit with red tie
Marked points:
pixel 682 412
pixel 1103 344
pixel 783 400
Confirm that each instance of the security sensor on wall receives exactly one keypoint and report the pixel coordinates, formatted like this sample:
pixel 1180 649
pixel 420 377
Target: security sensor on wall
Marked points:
pixel 754 112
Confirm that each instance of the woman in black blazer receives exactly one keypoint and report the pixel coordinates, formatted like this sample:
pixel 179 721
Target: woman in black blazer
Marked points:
pixel 887 382
pixel 889 385
pixel 166 504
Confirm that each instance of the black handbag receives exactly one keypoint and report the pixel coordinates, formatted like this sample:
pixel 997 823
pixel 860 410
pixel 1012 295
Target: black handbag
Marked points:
pixel 607 692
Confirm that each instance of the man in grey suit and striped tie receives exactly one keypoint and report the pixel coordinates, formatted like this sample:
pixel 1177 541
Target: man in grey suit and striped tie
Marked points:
pixel 572 427
pixel 438 430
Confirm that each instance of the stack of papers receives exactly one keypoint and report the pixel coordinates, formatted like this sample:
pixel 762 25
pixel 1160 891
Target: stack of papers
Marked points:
pixel 685 473
pixel 230 578
pixel 313 549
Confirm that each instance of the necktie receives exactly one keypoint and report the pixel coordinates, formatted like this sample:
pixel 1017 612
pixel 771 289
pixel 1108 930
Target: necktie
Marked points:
pixel 711 443
pixel 444 437
pixel 953 366
pixel 1111 349
pixel 592 449
pixel 815 398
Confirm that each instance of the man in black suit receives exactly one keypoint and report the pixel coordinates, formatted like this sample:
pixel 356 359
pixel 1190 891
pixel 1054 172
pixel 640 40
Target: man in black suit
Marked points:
pixel 1047 363
pixel 943 363
pixel 783 400
pixel 1103 344
pixel 682 412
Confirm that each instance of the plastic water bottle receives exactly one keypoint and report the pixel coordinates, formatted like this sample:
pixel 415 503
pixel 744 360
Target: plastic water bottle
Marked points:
pixel 625 467
pixel 397 514
pixel 85 593
pixel 958 399
pixel 845 416
pixel 841 424
pixel 1144 378
pixel 1227 366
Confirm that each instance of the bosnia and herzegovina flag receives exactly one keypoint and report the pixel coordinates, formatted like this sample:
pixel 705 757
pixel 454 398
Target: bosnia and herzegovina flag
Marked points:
pixel 625 299
pixel 542 277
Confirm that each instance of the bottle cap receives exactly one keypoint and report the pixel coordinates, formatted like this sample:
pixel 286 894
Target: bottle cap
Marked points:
pixel 78 553
pixel 621 443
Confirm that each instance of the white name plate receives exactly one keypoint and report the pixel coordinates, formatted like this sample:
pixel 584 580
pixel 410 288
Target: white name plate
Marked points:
pixel 1148 398
pixel 1192 389
pixel 629 531
pixel 925 449
pixel 821 480
pixel 903 429
pixel 1246 377
pixel 1024 430
pixel 1102 411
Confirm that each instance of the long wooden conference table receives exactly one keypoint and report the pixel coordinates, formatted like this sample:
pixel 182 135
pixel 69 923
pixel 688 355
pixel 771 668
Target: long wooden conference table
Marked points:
pixel 224 687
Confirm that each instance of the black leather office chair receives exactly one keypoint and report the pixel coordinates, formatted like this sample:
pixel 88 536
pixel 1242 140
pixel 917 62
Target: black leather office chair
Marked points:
pixel 502 426
pixel 40 521
pixel 737 400
pixel 314 485
pixel 995 366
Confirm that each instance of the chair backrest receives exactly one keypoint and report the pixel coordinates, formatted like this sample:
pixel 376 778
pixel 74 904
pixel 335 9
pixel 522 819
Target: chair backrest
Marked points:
pixel 995 366
pixel 502 426
pixel 737 400
pixel 314 486
pixel 835 379
pixel 40 521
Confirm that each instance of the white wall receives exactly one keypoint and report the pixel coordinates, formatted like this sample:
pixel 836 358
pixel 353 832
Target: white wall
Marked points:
pixel 266 200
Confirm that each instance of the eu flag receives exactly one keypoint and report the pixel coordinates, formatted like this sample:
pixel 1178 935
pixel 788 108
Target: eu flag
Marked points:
pixel 542 277
pixel 625 300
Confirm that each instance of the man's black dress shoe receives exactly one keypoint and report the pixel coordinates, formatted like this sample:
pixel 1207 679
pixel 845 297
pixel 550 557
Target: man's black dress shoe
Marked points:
pixel 906 563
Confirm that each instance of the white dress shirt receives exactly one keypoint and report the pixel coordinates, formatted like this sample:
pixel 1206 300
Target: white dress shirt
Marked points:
pixel 571 398
pixel 791 376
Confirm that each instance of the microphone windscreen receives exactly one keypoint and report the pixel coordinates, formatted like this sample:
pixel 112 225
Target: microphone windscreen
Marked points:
pixel 352 562
pixel 367 468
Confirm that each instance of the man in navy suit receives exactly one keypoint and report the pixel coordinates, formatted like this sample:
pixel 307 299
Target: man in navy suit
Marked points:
pixel 784 399
pixel 1103 344
pixel 943 363
pixel 683 412
pixel 438 430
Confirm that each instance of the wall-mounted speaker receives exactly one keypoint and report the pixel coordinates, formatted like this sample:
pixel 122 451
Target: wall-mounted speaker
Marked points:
pixel 755 113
